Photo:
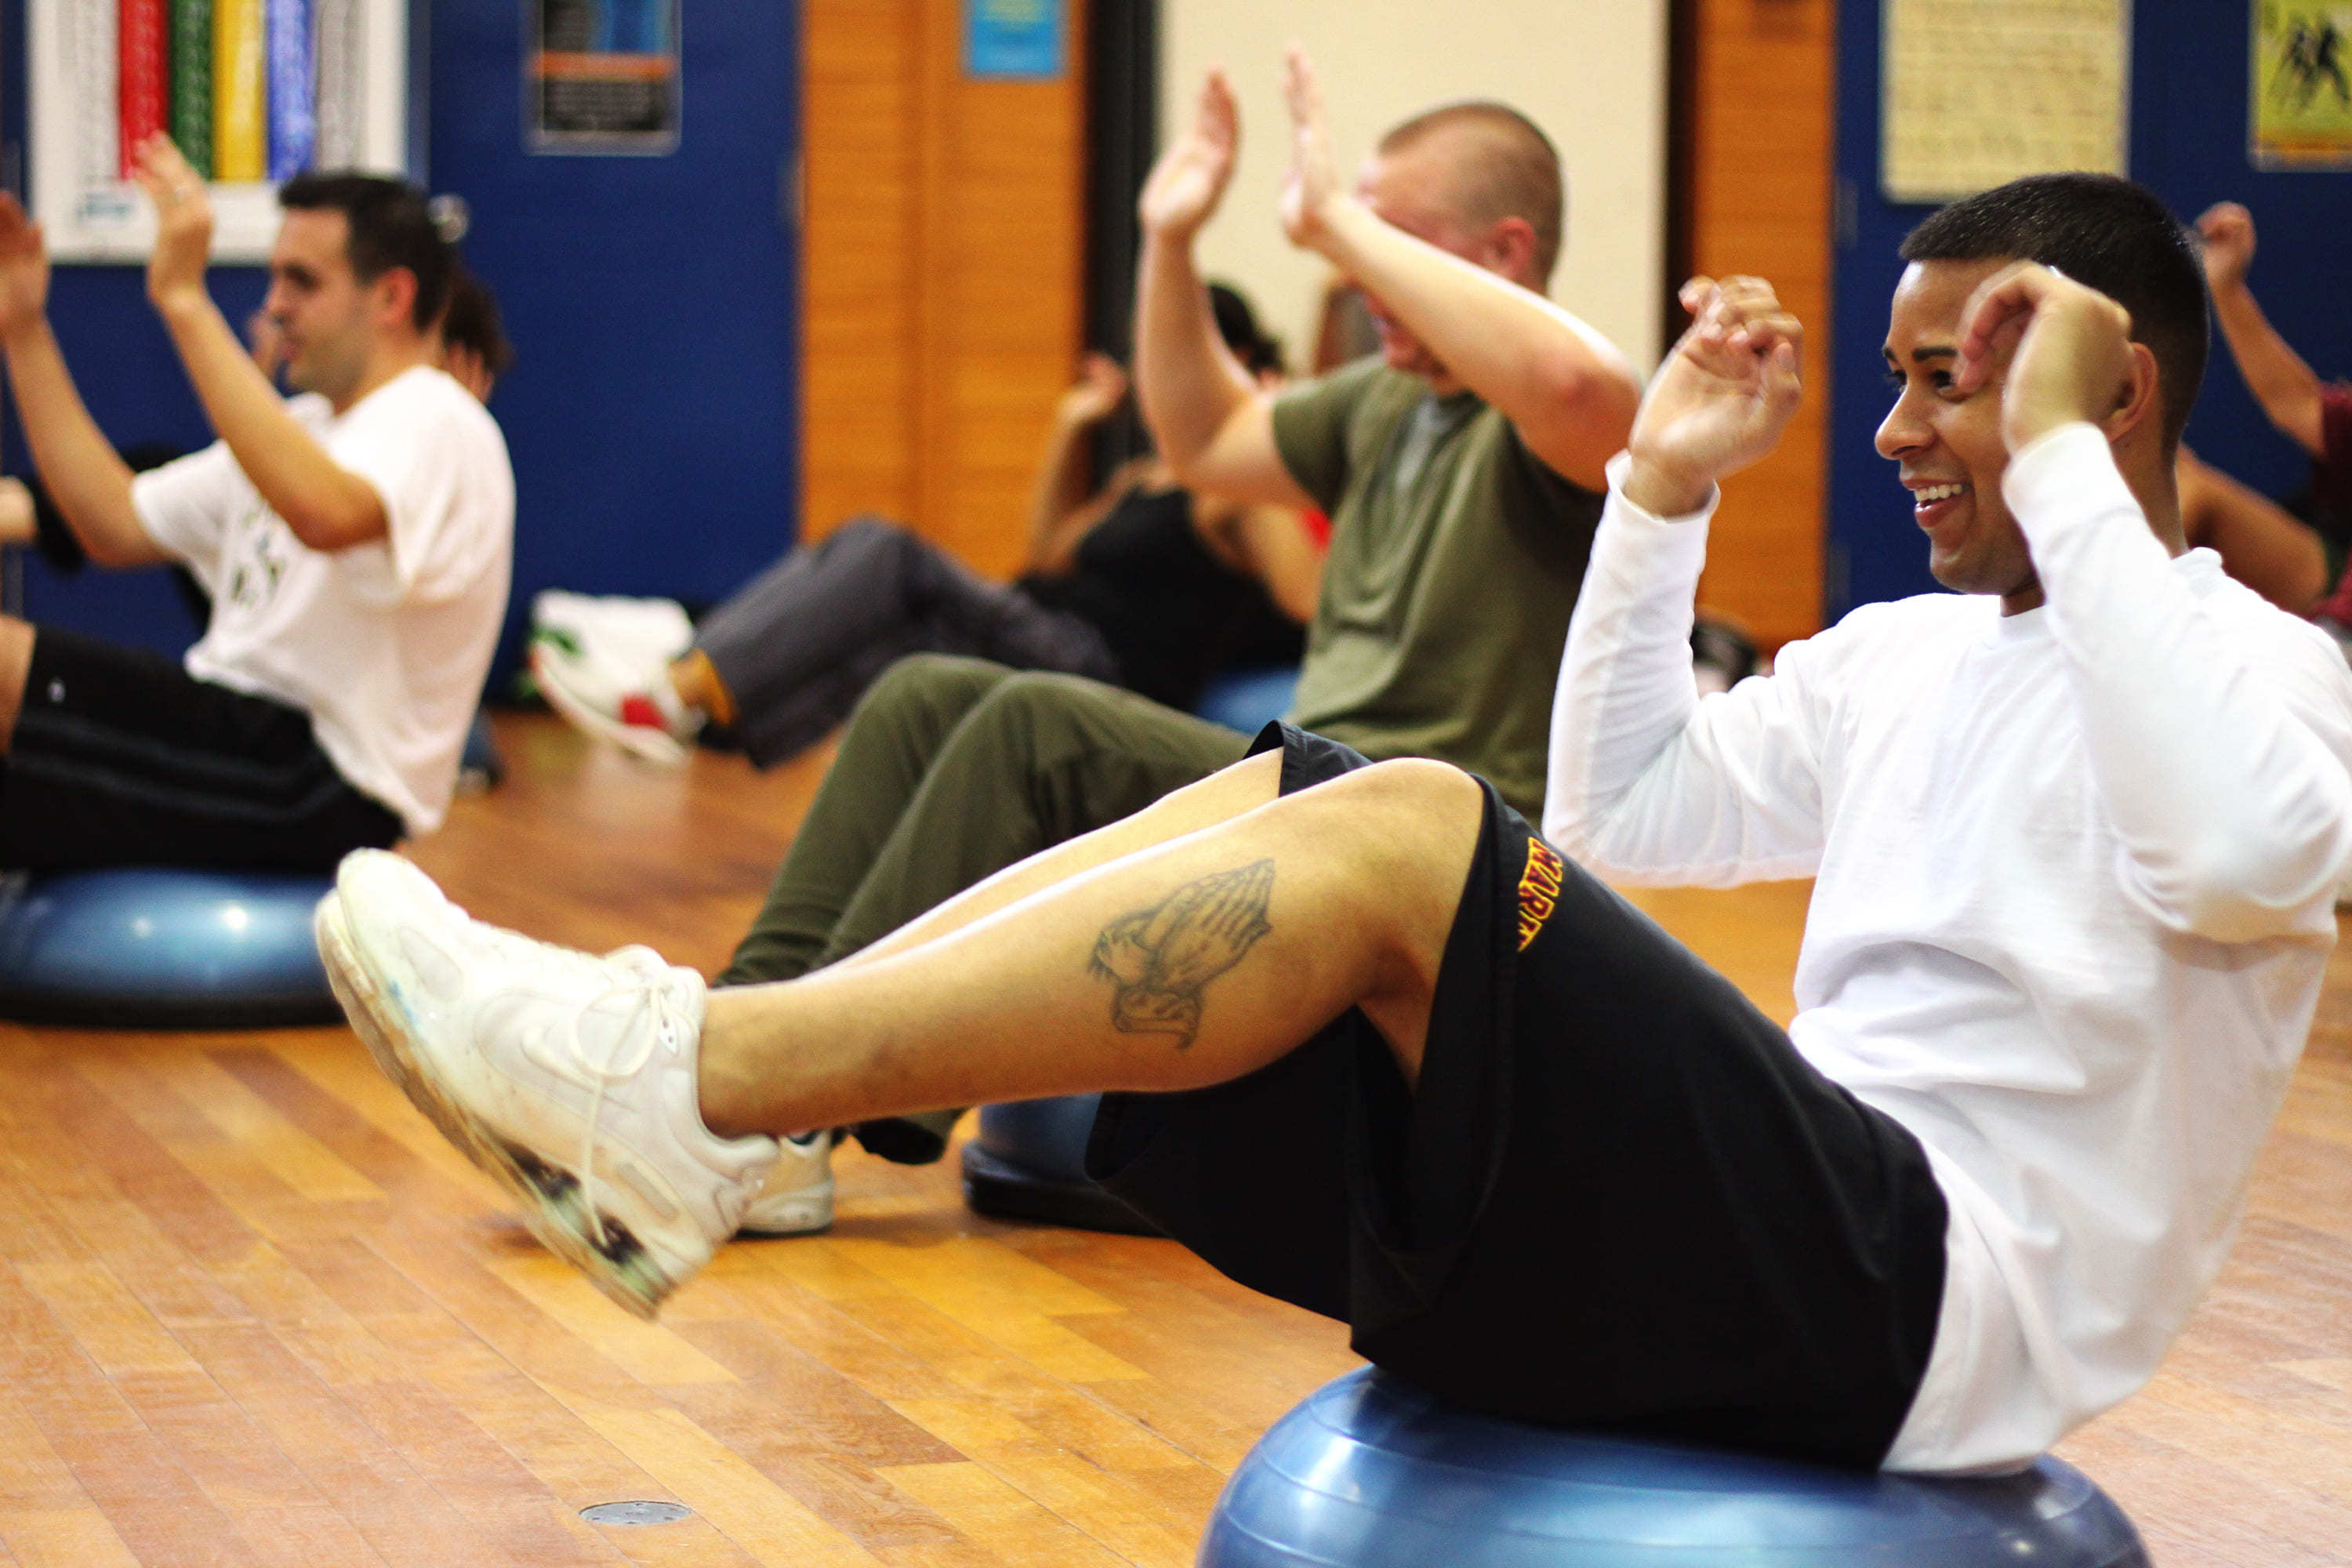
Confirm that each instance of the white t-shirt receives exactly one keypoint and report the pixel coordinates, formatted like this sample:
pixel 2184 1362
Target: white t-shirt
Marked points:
pixel 385 643
pixel 2075 878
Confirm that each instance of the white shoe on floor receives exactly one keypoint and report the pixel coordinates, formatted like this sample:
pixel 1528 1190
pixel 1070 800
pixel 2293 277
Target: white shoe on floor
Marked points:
pixel 632 705
pixel 615 626
pixel 797 1197
pixel 569 1078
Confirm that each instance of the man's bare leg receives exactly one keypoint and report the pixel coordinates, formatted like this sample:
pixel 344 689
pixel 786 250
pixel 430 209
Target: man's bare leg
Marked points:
pixel 1219 797
pixel 625 1105
pixel 1129 965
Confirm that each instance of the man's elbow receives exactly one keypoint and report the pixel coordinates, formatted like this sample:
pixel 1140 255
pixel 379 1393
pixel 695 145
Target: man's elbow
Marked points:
pixel 1592 403
pixel 1186 460
pixel 113 553
pixel 108 531
pixel 339 523
pixel 2233 889
pixel 2300 415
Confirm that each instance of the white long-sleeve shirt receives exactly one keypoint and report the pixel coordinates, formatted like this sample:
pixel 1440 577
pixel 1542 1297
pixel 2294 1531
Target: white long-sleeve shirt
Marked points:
pixel 2074 877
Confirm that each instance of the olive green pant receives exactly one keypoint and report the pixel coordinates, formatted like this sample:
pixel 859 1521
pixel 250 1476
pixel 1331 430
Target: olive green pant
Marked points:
pixel 950 770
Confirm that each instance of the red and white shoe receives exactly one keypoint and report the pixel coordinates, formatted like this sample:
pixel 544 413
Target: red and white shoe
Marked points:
pixel 635 708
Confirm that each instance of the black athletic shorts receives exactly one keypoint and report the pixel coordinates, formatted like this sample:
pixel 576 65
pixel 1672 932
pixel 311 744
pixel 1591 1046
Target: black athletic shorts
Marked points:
pixel 1618 1197
pixel 122 758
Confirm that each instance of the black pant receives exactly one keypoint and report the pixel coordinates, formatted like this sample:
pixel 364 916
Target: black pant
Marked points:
pixel 122 758
pixel 799 644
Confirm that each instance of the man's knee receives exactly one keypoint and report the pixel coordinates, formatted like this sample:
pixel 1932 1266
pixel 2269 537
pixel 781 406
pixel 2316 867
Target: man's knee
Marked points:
pixel 928 687
pixel 1039 710
pixel 1076 753
pixel 1409 806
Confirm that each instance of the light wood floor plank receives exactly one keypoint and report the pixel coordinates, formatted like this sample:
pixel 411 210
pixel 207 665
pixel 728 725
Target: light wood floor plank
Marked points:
pixel 63 1538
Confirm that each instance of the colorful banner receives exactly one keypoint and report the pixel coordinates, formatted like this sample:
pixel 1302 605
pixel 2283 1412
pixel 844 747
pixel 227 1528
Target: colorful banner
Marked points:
pixel 143 91
pixel 293 115
pixel 192 82
pixel 240 127
pixel 252 91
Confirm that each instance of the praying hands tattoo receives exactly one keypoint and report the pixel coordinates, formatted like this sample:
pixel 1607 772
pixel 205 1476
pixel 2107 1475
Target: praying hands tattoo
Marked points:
pixel 1160 960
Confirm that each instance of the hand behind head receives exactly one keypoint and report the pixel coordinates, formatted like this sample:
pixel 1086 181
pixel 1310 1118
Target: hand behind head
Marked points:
pixel 2065 353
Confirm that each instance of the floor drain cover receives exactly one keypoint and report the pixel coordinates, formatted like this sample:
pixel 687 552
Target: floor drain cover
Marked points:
pixel 636 1513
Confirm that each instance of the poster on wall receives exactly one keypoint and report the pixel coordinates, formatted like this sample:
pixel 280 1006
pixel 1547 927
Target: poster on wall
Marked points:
pixel 252 92
pixel 1974 93
pixel 602 76
pixel 2300 93
pixel 1013 40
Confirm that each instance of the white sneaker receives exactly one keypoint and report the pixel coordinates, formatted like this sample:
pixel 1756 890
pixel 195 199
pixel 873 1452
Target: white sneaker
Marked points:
pixel 634 706
pixel 797 1197
pixel 571 1078
pixel 613 626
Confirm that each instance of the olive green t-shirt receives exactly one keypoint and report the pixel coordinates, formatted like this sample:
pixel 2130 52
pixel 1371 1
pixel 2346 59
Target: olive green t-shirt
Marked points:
pixel 1456 557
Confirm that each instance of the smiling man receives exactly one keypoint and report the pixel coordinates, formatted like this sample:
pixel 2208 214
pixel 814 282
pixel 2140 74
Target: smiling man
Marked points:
pixel 355 542
pixel 2075 830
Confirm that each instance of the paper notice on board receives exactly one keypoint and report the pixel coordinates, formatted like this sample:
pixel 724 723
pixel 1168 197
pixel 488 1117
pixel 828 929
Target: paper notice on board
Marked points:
pixel 1977 92
pixel 602 78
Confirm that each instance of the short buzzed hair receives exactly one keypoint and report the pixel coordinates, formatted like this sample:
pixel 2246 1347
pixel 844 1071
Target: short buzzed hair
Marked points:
pixel 1513 172
pixel 2106 234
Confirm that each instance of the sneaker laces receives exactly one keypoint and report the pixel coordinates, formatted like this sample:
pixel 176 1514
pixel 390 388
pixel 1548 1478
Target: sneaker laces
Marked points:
pixel 642 979
pixel 632 1048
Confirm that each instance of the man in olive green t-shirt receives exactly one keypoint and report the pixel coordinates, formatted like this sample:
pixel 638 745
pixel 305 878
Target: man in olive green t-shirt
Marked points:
pixel 1462 471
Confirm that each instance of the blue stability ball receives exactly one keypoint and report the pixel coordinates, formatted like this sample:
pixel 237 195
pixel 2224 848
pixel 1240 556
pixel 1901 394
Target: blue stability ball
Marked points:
pixel 1250 699
pixel 1029 1161
pixel 1371 1473
pixel 141 948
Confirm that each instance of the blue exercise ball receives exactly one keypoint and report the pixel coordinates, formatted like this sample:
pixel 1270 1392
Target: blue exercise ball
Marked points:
pixel 1249 699
pixel 155 947
pixel 1029 1161
pixel 1369 1472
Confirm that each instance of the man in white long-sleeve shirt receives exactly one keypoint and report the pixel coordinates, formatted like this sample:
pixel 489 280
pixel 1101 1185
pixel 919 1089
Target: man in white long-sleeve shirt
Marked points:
pixel 2074 834
pixel 1385 1054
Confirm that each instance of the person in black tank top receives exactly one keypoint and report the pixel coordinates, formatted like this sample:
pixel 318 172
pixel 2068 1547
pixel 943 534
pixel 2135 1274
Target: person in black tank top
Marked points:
pixel 1142 584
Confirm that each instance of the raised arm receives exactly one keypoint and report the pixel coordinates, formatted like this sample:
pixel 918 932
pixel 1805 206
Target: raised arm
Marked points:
pixel 1208 418
pixel 2223 766
pixel 1062 506
pixel 90 484
pixel 2286 387
pixel 1564 387
pixel 1645 782
pixel 326 505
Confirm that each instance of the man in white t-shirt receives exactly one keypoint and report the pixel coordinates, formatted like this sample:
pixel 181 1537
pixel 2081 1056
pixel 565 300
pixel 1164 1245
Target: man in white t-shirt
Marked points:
pixel 1384 1053
pixel 355 541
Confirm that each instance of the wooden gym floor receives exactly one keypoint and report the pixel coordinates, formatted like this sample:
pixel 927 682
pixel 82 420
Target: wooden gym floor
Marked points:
pixel 253 1310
